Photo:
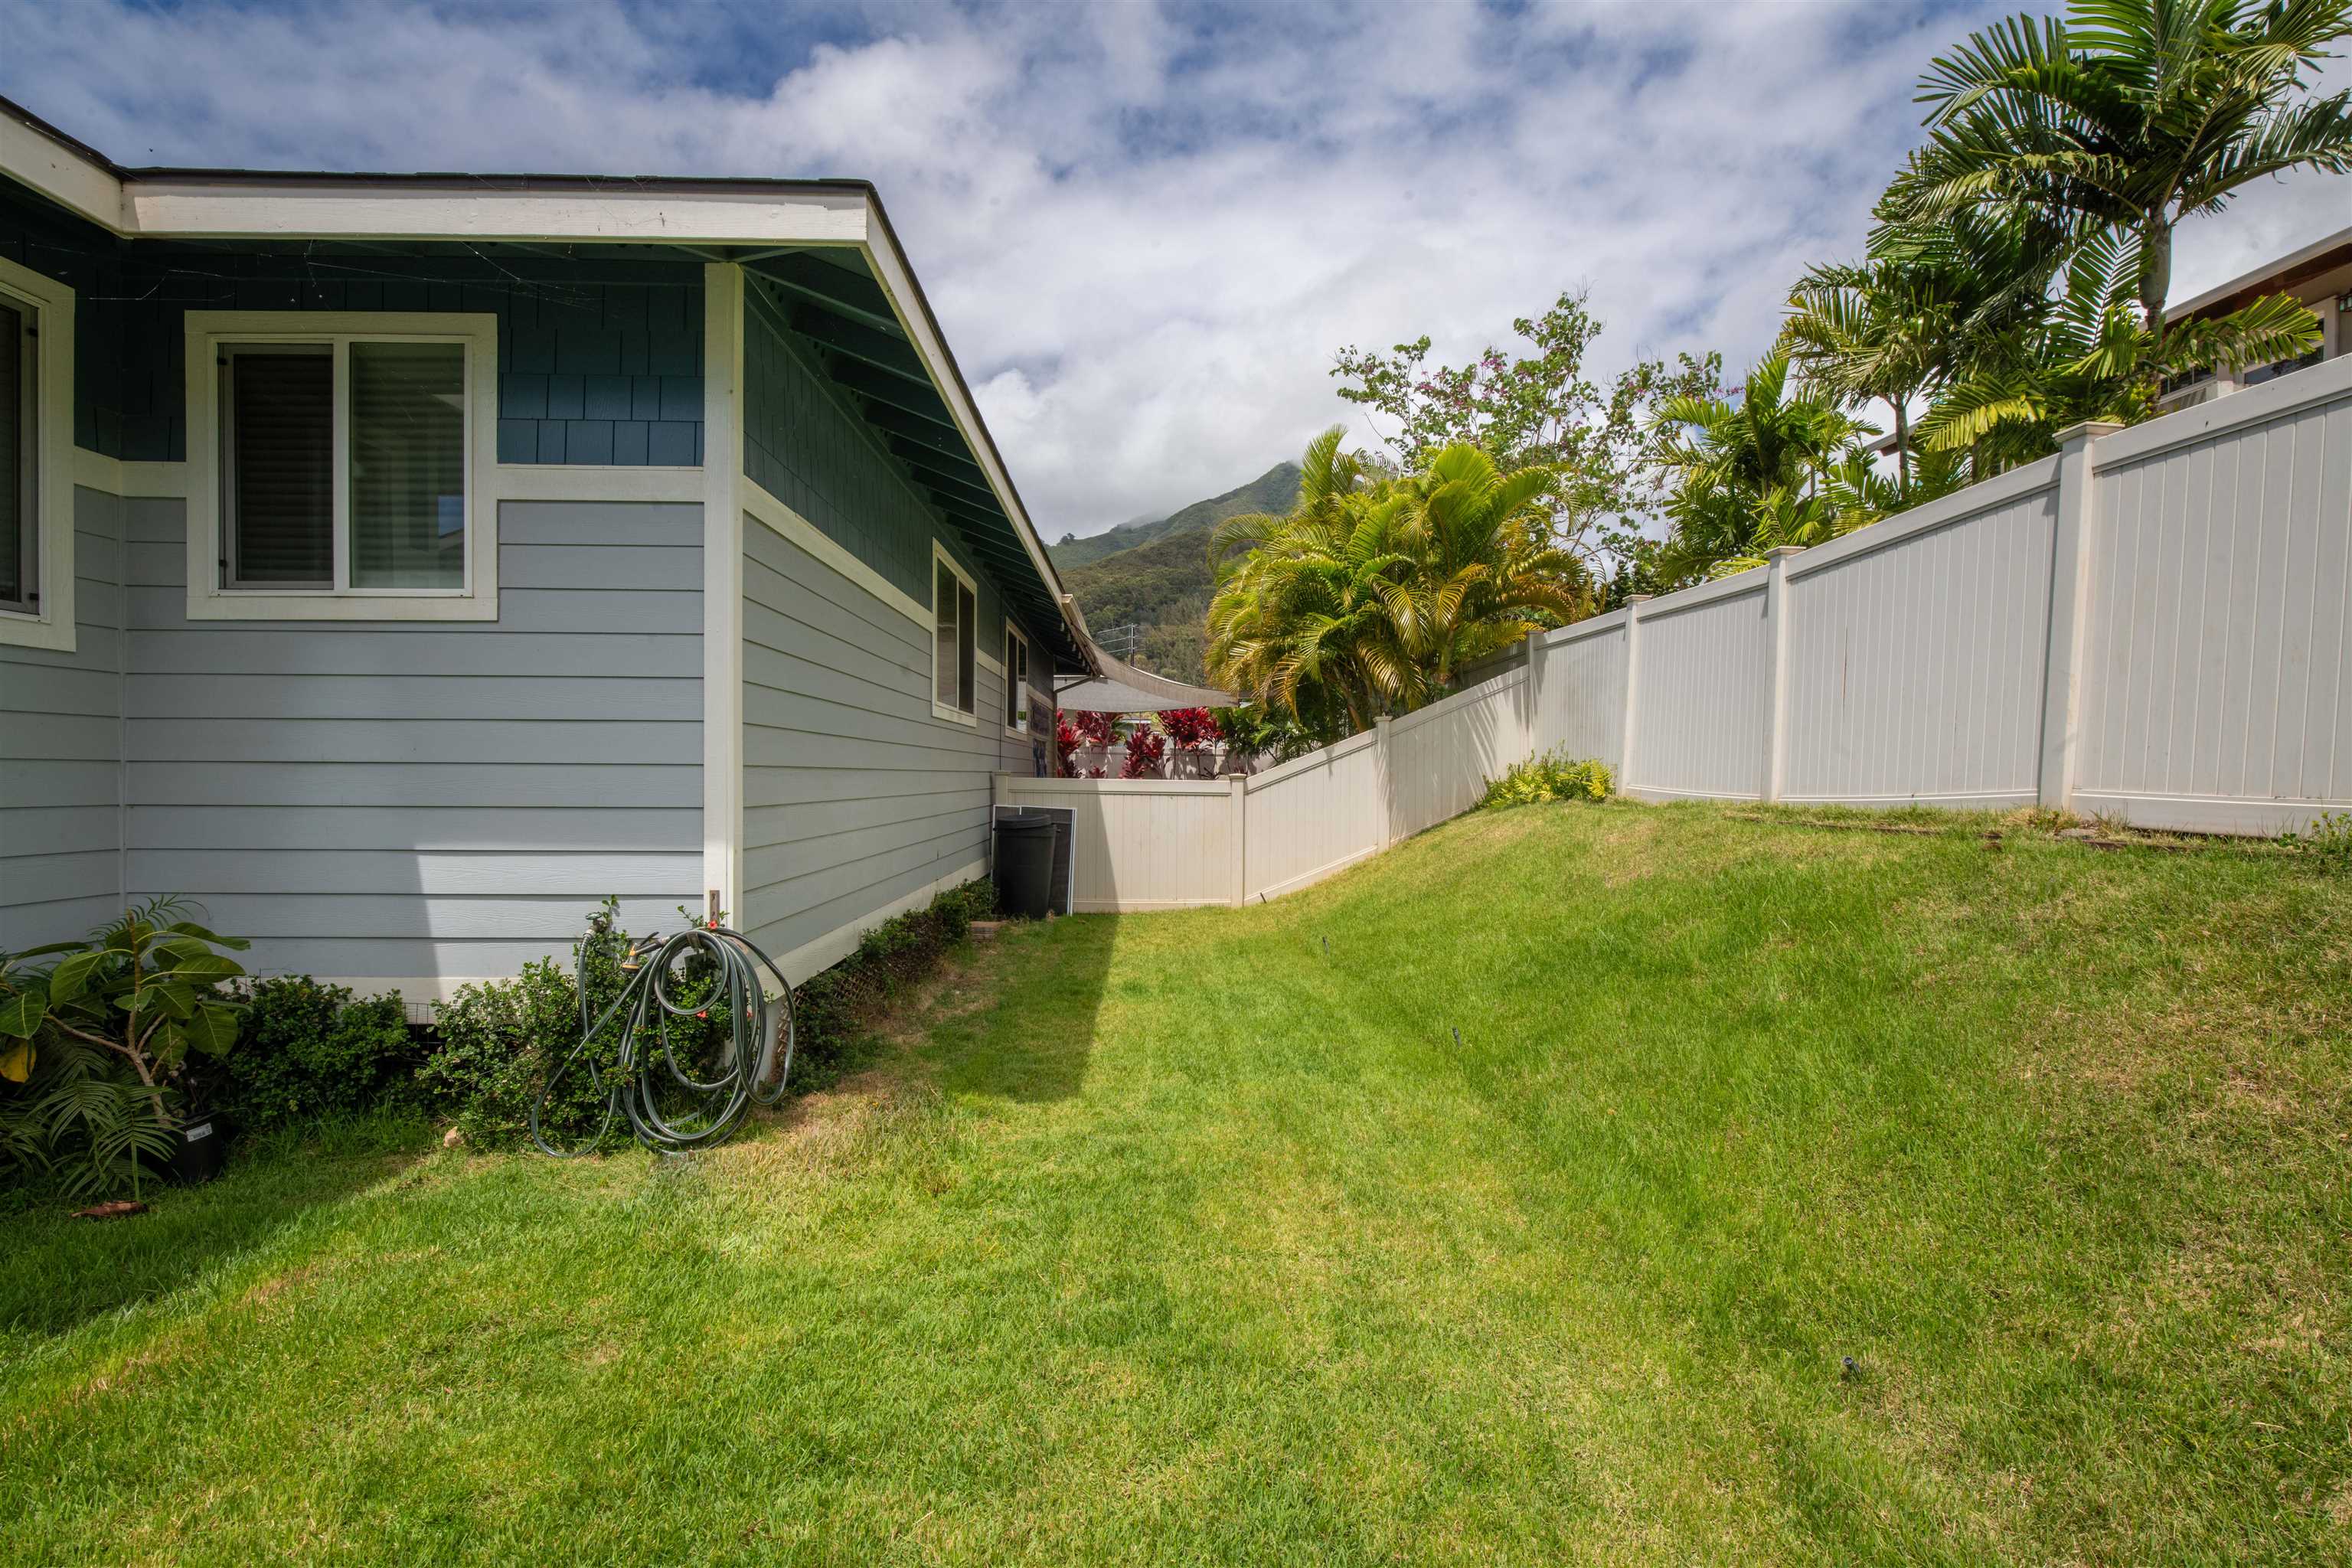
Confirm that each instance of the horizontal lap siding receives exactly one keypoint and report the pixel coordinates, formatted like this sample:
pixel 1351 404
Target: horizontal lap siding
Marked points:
pixel 60 755
pixel 1915 672
pixel 429 800
pixel 855 797
pixel 1699 700
pixel 2221 584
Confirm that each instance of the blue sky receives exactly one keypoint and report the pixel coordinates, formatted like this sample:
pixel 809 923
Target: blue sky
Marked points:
pixel 1146 228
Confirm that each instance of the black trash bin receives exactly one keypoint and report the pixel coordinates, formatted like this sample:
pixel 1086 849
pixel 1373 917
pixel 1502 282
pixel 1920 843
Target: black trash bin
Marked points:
pixel 1024 865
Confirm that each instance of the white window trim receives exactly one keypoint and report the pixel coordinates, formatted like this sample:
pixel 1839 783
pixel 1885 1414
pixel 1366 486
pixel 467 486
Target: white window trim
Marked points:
pixel 1014 634
pixel 939 710
pixel 51 627
pixel 208 601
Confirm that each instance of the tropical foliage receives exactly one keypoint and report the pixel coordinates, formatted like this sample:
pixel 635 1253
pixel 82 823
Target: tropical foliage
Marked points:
pixel 1376 590
pixel 2016 280
pixel 95 1047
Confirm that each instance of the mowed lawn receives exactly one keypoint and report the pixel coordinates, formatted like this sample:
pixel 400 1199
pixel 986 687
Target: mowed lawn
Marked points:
pixel 1181 1239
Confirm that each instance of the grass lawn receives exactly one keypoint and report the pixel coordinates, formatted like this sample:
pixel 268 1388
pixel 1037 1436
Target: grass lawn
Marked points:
pixel 1178 1239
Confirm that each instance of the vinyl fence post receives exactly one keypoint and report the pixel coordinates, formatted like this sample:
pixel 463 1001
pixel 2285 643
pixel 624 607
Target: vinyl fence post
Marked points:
pixel 1776 644
pixel 2070 601
pixel 1383 730
pixel 1535 694
pixel 1240 836
pixel 1634 603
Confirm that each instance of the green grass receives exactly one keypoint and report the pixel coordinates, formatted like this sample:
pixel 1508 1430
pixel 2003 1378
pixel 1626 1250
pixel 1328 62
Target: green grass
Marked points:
pixel 1175 1239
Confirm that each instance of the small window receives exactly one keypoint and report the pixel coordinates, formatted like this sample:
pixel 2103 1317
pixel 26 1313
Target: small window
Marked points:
pixel 340 460
pixel 1016 678
pixel 20 512
pixel 36 481
pixel 396 412
pixel 955 617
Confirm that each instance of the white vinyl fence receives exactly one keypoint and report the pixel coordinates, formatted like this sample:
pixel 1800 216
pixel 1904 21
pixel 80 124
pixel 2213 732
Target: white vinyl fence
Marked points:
pixel 2151 625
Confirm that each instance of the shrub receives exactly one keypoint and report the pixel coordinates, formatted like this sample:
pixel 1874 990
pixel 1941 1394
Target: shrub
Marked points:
pixel 830 1008
pixel 1551 776
pixel 497 1041
pixel 307 1050
pixel 95 1049
pixel 1145 754
pixel 1189 728
pixel 2327 840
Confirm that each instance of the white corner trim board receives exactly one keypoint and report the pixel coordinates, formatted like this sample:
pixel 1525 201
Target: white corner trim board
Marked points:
pixel 48 624
pixel 724 495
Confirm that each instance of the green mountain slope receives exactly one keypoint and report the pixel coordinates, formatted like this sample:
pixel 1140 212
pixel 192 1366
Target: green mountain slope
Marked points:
pixel 1158 578
pixel 1272 490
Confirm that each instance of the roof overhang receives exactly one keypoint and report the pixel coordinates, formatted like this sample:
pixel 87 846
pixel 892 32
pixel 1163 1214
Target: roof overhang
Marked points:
pixel 754 222
pixel 2276 276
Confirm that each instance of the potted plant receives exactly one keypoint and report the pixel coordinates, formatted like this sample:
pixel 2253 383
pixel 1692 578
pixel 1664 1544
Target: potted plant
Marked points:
pixel 141 994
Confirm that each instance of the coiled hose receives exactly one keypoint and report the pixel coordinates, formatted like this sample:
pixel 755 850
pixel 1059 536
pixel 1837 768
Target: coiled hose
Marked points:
pixel 750 1067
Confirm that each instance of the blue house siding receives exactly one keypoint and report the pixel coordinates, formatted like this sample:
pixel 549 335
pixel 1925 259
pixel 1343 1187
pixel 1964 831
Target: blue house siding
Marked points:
pixel 855 798
pixel 61 754
pixel 433 799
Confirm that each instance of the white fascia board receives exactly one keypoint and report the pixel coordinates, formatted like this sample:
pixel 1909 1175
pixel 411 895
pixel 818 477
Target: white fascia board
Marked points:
pixel 898 285
pixel 61 173
pixel 618 213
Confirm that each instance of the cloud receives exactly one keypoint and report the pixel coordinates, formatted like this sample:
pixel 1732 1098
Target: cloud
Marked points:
pixel 1145 228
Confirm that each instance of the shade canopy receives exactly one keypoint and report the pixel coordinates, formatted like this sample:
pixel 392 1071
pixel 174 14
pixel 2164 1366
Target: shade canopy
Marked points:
pixel 1123 688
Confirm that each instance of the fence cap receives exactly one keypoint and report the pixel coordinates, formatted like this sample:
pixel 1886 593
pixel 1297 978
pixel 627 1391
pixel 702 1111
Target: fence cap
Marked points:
pixel 1783 552
pixel 2087 430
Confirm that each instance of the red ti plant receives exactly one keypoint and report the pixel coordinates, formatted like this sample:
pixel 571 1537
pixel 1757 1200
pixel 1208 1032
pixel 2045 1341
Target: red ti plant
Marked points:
pixel 1189 728
pixel 1096 729
pixel 1145 751
pixel 1065 745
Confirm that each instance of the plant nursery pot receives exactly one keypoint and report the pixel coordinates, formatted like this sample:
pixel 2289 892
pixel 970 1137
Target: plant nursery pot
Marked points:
pixel 201 1151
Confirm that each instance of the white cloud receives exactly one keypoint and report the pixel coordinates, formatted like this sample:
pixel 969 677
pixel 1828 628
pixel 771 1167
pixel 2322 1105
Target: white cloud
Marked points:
pixel 1146 230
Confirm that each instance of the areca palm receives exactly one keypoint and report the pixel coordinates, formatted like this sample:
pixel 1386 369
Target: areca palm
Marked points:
pixel 2124 118
pixel 1369 599
pixel 2093 356
pixel 1753 473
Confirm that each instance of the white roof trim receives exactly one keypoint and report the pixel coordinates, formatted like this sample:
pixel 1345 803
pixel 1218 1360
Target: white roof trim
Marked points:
pixel 204 205
pixel 2267 270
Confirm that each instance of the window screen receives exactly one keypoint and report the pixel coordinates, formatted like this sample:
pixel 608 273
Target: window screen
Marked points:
pixel 967 616
pixel 19 531
pixel 944 587
pixel 408 466
pixel 279 473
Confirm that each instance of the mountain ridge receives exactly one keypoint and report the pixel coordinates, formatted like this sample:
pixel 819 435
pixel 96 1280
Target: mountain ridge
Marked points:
pixel 1159 577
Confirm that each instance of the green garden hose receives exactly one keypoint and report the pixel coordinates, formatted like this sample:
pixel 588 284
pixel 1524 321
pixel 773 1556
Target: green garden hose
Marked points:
pixel 670 1106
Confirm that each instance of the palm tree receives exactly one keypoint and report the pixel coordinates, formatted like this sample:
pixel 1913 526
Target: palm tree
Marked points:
pixel 1753 473
pixel 2092 356
pixel 1880 329
pixel 2126 117
pixel 1369 598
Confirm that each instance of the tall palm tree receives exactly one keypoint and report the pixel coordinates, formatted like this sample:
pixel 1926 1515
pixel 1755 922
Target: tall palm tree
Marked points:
pixel 2093 356
pixel 2126 117
pixel 1879 330
pixel 1367 599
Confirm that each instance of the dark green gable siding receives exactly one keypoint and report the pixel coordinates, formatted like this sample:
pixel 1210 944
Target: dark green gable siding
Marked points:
pixel 600 355
pixel 806 450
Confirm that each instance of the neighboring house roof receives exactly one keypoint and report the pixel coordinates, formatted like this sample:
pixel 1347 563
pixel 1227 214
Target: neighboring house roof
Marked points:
pixel 881 341
pixel 2284 275
pixel 1123 688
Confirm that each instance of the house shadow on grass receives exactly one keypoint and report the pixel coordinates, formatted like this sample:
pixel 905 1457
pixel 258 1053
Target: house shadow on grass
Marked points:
pixel 58 1272
pixel 1031 1039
